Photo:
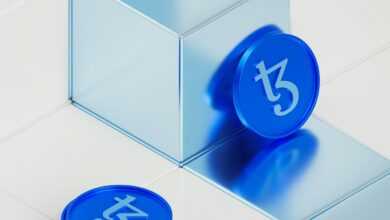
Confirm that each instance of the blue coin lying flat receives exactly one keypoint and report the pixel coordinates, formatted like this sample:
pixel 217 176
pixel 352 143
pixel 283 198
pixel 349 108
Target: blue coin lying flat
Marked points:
pixel 119 203
pixel 276 85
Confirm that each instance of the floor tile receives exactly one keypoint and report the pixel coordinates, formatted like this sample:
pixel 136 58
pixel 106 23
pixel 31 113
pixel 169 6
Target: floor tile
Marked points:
pixel 283 177
pixel 69 153
pixel 372 203
pixel 357 102
pixel 342 33
pixel 191 198
pixel 12 208
pixel 33 60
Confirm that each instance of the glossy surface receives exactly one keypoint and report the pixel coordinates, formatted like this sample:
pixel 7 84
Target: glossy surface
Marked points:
pixel 126 70
pixel 130 71
pixel 204 54
pixel 191 198
pixel 294 178
pixel 276 85
pixel 181 16
pixel 371 203
pixel 120 201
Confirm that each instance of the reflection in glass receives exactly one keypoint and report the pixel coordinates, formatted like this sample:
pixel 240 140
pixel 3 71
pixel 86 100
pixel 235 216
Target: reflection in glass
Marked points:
pixel 292 178
pixel 261 169
pixel 269 175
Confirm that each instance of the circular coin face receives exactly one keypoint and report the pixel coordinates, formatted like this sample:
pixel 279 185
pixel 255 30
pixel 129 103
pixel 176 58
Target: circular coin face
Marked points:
pixel 276 85
pixel 118 202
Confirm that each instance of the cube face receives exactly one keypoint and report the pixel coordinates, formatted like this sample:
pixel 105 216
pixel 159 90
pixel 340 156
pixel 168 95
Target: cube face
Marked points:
pixel 145 67
pixel 125 70
pixel 204 51
pixel 178 15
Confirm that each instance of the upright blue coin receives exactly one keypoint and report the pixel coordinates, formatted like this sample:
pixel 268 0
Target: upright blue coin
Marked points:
pixel 276 85
pixel 118 202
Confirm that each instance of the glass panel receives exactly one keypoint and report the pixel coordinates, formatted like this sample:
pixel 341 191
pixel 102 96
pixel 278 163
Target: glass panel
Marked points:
pixel 294 178
pixel 125 70
pixel 180 15
pixel 371 203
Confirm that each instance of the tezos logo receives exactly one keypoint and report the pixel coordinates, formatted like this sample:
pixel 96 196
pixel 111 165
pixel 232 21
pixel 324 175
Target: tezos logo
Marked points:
pixel 114 212
pixel 279 84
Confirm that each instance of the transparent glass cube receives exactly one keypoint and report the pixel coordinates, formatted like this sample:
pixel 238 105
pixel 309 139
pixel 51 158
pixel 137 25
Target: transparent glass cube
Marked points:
pixel 144 67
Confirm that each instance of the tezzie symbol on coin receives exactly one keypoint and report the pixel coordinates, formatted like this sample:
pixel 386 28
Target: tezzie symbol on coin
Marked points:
pixel 109 213
pixel 279 84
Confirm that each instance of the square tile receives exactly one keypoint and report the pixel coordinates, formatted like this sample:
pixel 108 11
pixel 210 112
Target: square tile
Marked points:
pixel 12 208
pixel 69 153
pixel 283 177
pixel 371 203
pixel 192 198
pixel 357 102
pixel 342 33
pixel 33 60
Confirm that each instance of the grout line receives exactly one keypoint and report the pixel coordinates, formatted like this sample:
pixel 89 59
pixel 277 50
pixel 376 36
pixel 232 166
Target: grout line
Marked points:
pixel 33 122
pixel 347 134
pixel 229 193
pixel 133 137
pixel 349 68
pixel 350 195
pixel 213 147
pixel 166 173
pixel 22 202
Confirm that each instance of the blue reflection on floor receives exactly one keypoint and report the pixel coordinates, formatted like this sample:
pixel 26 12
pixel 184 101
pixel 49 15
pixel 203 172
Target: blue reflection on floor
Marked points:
pixel 266 177
pixel 298 177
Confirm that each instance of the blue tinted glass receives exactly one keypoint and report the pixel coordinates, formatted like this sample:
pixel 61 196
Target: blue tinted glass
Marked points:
pixel 372 203
pixel 293 178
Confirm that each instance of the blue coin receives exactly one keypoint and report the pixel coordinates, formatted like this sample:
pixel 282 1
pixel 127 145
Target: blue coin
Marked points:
pixel 276 85
pixel 118 202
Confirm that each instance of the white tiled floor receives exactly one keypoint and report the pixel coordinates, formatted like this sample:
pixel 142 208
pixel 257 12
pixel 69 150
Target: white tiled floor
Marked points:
pixel 33 60
pixel 40 173
pixel 342 32
pixel 358 103
pixel 47 171
pixel 12 208
pixel 191 198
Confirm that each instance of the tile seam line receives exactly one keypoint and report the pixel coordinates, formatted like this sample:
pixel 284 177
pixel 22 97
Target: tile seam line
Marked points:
pixel 22 202
pixel 213 147
pixel 354 65
pixel 155 180
pixel 32 123
pixel 348 196
pixel 317 213
pixel 111 125
pixel 352 138
pixel 228 193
